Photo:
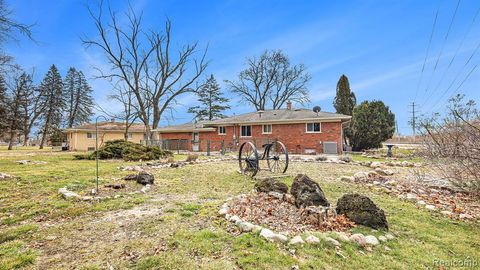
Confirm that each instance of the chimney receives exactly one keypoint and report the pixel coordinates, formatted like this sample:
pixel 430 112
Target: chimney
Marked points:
pixel 289 105
pixel 112 120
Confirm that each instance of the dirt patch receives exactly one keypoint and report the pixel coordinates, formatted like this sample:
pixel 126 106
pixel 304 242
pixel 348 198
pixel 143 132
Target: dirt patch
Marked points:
pixel 283 216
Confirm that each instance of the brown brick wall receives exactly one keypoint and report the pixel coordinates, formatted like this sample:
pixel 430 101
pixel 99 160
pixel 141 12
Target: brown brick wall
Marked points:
pixel 294 136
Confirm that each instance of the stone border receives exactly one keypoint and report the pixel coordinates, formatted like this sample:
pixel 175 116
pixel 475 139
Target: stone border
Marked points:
pixel 157 165
pixel 245 226
pixel 67 194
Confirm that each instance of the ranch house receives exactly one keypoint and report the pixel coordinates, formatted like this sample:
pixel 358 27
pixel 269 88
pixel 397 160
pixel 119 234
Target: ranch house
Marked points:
pixel 303 131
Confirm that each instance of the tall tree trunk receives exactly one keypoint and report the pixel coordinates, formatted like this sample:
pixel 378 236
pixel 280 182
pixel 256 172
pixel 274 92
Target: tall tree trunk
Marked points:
pixel 10 143
pixel 26 135
pixel 44 135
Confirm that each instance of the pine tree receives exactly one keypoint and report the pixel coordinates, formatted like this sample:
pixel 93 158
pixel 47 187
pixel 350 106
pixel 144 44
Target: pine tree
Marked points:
pixel 3 106
pixel 344 103
pixel 78 98
pixel 53 103
pixel 212 101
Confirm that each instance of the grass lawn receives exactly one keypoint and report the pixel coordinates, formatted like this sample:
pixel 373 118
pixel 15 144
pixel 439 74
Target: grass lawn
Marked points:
pixel 175 225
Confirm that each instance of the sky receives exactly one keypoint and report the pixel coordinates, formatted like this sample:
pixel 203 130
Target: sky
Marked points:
pixel 385 48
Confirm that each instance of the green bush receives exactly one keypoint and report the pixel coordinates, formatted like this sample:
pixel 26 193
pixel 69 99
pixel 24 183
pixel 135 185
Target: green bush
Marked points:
pixel 128 151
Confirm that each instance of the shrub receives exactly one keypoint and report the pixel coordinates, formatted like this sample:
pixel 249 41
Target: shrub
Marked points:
pixel 128 151
pixel 321 158
pixel 372 124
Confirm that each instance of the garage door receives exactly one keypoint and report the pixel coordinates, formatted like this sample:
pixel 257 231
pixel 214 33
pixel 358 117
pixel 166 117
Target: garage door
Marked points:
pixel 330 148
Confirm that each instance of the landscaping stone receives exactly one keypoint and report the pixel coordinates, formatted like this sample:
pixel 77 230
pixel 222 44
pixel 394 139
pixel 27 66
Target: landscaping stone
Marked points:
pixel 383 172
pixel 223 211
pixel 389 236
pixel 333 241
pixel 143 178
pixel 361 210
pixel 430 207
pixel 115 186
pixel 234 219
pixel 297 240
pixel 246 226
pixel 311 239
pixel 371 240
pixel 307 192
pixel 146 188
pixel 342 236
pixel 359 239
pixel 271 236
pixel 421 203
pixel 375 164
pixel 382 238
pixel 68 194
pixel 411 197
pixel 347 178
pixel 360 176
pixel 5 176
pixel 276 195
pixel 270 184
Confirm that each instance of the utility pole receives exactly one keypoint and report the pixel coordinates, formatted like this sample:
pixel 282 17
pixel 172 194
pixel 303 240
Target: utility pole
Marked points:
pixel 413 118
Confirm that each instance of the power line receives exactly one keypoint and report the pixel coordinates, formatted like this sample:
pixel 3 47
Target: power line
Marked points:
pixel 413 118
pixel 443 45
pixel 453 58
pixel 428 49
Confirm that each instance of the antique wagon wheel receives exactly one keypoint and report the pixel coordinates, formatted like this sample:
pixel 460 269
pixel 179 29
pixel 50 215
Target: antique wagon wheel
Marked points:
pixel 277 157
pixel 248 159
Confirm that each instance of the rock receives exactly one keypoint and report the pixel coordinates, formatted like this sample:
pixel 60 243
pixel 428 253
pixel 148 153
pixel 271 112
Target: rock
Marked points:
pixel 389 236
pixel 421 203
pixel 375 164
pixel 465 216
pixel 361 210
pixel 382 238
pixel 358 238
pixel 174 165
pixel 115 186
pixel 347 178
pixel 68 194
pixel 257 228
pixel 383 172
pixel 346 159
pixel 311 239
pixel 271 236
pixel 332 241
pixel 234 219
pixel 295 267
pixel 307 192
pixel 342 236
pixel 289 198
pixel 276 195
pixel 223 211
pixel 50 238
pixel 411 197
pixel 146 188
pixel 246 226
pixel 371 240
pixel 5 176
pixel 23 162
pixel 297 240
pixel 143 178
pixel 360 176
pixel 387 248
pixel 270 184
pixel 446 213
pixel 430 207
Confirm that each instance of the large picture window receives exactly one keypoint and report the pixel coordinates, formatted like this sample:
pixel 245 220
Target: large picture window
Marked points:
pixel 90 135
pixel 246 131
pixel 314 127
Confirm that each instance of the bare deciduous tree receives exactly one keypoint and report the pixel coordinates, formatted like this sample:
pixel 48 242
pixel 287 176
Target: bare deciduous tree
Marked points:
pixel 154 73
pixel 270 81
pixel 452 143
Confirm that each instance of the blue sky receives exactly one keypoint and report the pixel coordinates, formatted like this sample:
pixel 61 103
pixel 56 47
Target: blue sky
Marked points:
pixel 380 45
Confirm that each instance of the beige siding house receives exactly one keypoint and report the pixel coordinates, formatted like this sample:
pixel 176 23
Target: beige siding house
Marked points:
pixel 82 138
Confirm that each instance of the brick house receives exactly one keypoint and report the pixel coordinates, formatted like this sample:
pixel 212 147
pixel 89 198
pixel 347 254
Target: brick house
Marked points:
pixel 301 130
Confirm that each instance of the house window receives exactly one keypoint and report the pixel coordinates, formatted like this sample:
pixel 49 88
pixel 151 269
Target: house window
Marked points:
pixel 267 129
pixel 314 128
pixel 90 135
pixel 246 131
pixel 130 135
pixel 222 130
pixel 91 149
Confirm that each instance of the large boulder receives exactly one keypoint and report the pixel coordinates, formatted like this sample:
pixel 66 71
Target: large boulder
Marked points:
pixel 143 178
pixel 269 184
pixel 361 210
pixel 307 192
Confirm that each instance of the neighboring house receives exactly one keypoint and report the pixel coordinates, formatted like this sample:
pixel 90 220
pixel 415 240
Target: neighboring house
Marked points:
pixel 301 130
pixel 82 138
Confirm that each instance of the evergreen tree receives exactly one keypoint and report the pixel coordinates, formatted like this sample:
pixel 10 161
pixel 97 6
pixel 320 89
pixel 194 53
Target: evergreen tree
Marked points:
pixel 212 101
pixel 372 124
pixel 344 103
pixel 3 106
pixel 16 115
pixel 53 103
pixel 78 98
